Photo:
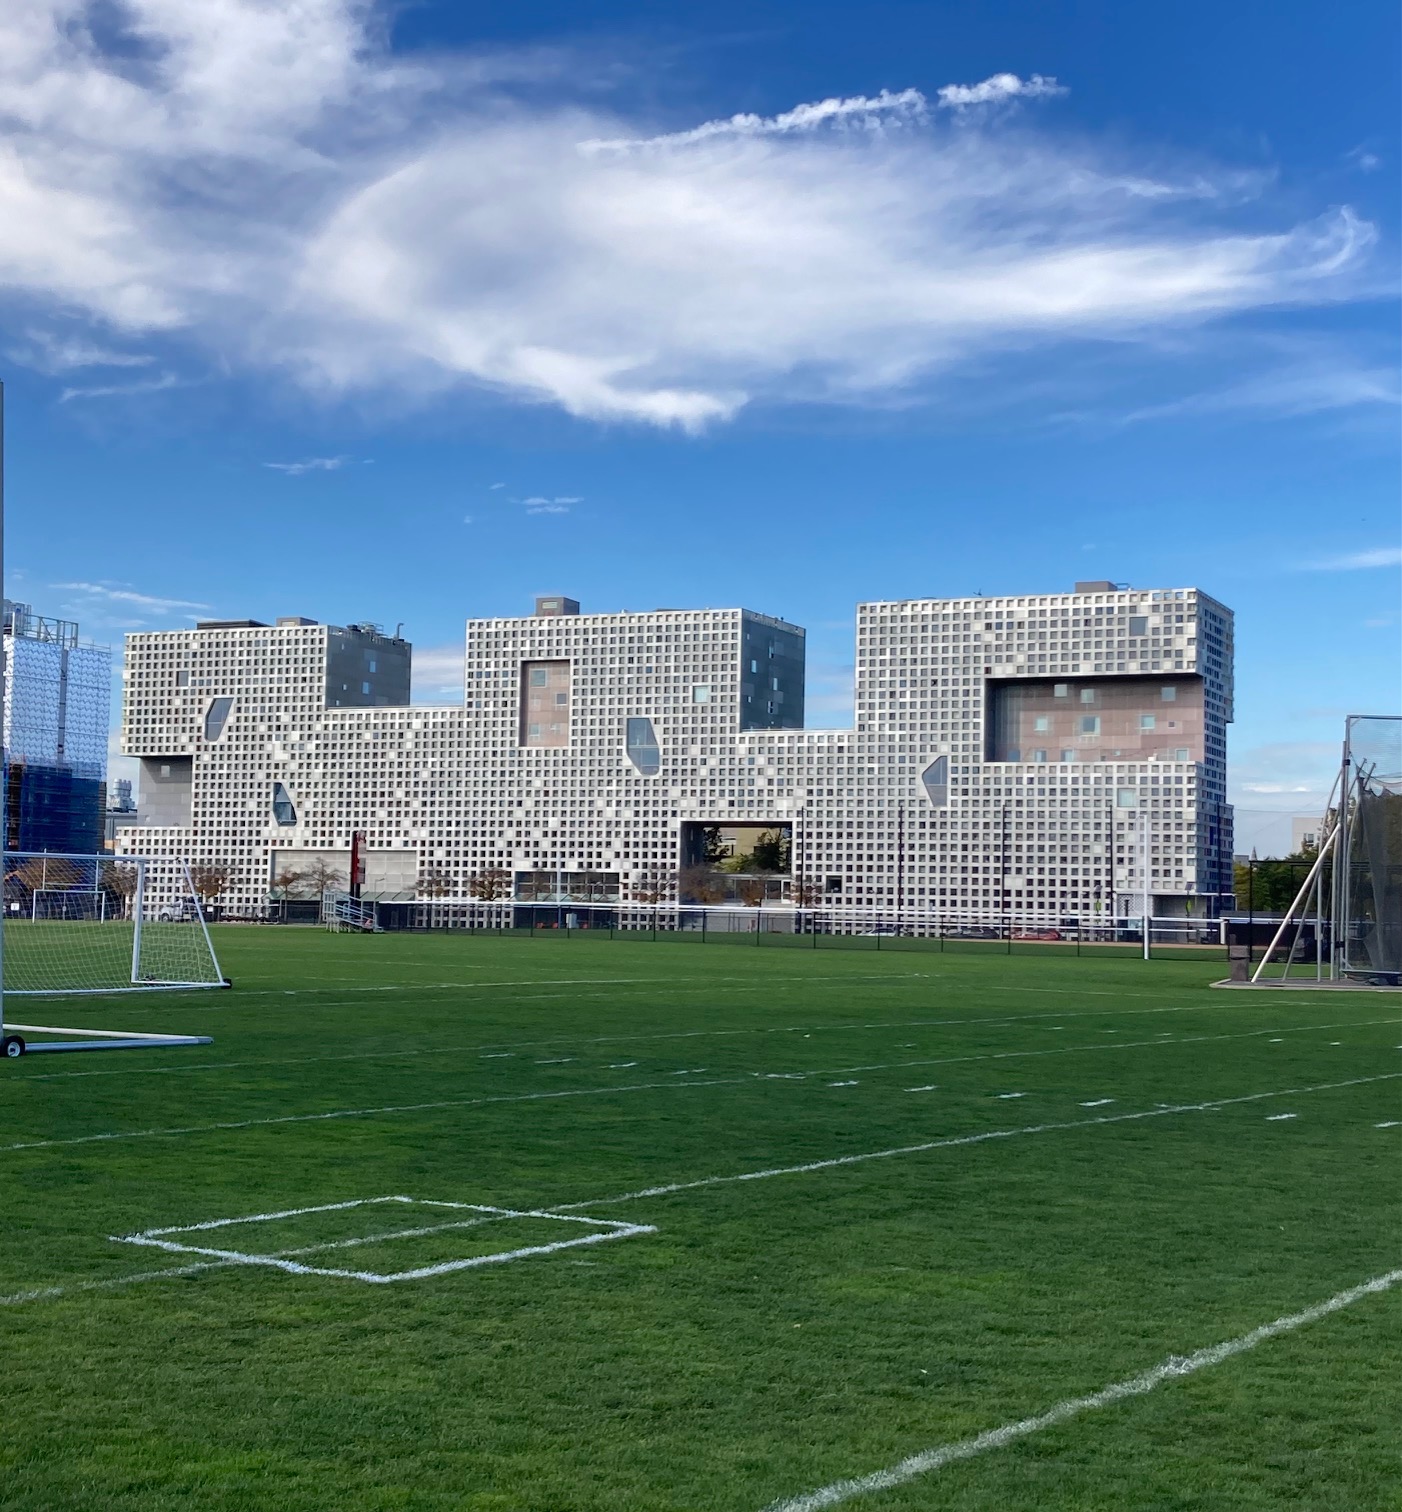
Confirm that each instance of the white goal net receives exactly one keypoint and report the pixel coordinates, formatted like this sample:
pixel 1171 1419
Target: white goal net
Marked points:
pixel 85 924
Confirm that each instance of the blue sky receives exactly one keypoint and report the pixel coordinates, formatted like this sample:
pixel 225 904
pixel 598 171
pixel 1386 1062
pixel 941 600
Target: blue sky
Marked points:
pixel 328 309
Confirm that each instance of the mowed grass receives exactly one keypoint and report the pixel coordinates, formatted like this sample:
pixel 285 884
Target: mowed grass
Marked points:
pixel 773 1335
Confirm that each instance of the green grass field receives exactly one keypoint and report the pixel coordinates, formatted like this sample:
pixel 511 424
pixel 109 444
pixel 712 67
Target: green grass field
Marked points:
pixel 1113 1166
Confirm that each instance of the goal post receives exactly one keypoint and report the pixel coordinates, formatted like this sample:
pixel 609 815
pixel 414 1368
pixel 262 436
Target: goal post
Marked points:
pixel 99 926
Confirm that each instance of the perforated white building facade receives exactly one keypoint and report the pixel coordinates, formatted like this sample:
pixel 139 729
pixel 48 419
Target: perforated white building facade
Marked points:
pixel 1036 755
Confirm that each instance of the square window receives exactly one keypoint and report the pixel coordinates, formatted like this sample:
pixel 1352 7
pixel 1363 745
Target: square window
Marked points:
pixel 1041 722
pixel 1180 754
pixel 1139 624
pixel 1090 724
pixel 701 693
pixel 561 699
pixel 1168 694
pixel 1087 695
pixel 1127 798
pixel 538 677
pixel 1059 690
pixel 1039 756
pixel 1068 755
pixel 1146 721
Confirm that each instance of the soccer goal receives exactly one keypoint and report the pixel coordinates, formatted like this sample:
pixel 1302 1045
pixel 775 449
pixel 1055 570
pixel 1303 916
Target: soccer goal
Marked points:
pixel 82 925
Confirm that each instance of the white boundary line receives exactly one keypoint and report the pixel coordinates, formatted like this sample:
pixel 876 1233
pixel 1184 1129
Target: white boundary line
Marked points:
pixel 179 1131
pixel 499 1047
pixel 1172 1369
pixel 605 1229
pixel 954 1141
pixel 392 1108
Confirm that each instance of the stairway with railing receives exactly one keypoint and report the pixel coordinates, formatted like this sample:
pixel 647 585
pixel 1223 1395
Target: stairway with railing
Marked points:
pixel 343 914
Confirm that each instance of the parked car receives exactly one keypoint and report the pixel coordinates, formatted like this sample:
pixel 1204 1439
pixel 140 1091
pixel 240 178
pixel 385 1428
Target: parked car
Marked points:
pixel 178 913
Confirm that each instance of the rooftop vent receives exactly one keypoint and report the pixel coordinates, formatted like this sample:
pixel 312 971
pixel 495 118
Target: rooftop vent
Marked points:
pixel 554 606
pixel 1099 585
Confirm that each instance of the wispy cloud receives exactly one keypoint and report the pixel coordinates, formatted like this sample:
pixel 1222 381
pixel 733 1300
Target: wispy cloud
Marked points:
pixel 1358 561
pixel 307 465
pixel 438 674
pixel 116 390
pixel 908 103
pixel 1308 389
pixel 283 192
pixel 561 504
pixel 108 595
pixel 998 90
pixel 49 353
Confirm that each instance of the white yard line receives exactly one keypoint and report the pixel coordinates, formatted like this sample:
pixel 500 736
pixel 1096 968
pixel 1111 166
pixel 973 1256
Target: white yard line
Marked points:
pixel 559 1209
pixel 337 1113
pixel 497 1047
pixel 467 1102
pixel 1172 1369
pixel 956 1140
pixel 1157 1042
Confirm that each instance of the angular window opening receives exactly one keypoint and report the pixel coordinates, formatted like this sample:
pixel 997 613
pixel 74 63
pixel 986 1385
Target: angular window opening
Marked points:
pixel 1127 798
pixel 1041 723
pixel 701 693
pixel 935 778
pixel 182 679
pixel 1146 721
pixel 1090 724
pixel 216 717
pixel 1168 694
pixel 1138 624
pixel 283 810
pixel 642 748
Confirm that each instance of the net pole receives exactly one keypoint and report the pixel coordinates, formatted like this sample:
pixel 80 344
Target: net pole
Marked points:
pixel 138 906
pixel 204 927
pixel 4 765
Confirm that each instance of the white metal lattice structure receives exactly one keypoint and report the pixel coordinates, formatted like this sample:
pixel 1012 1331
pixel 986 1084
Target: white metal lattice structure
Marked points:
pixel 1037 755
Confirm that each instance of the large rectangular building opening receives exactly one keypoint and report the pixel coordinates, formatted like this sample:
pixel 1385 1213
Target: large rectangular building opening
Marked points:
pixel 1154 718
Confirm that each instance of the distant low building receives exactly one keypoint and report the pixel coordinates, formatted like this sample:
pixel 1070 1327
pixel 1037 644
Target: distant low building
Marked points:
pixel 1304 833
pixel 57 702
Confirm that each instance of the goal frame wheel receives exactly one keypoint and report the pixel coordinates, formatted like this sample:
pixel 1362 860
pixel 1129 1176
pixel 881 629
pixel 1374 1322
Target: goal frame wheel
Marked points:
pixel 12 1046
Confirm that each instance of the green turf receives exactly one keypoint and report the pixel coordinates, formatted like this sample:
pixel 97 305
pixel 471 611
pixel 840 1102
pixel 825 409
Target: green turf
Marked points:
pixel 771 1336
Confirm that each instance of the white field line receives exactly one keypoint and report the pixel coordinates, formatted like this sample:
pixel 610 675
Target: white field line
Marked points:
pixel 1172 1369
pixel 492 1049
pixel 1156 1043
pixel 467 1102
pixel 562 1208
pixel 604 1229
pixel 956 1140
pixel 338 1113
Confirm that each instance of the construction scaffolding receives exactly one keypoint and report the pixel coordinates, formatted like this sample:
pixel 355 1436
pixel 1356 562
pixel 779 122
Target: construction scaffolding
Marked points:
pixel 56 715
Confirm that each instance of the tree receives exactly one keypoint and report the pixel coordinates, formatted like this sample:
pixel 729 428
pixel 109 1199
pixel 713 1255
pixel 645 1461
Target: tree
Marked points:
pixel 121 880
pixel 805 894
pixel 699 884
pixel 45 871
pixel 713 848
pixel 751 892
pixel 490 885
pixel 209 880
pixel 1270 886
pixel 654 884
pixel 289 881
pixel 771 852
pixel 322 875
pixel 435 881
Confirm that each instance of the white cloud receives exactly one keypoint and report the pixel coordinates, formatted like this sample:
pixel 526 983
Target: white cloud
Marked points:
pixel 308 464
pixel 115 390
pixel 1357 561
pixel 908 103
pixel 467 519
pixel 272 186
pixel 998 90
pixel 115 593
pixel 437 674
pixel 539 504
pixel 50 353
pixel 1307 389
